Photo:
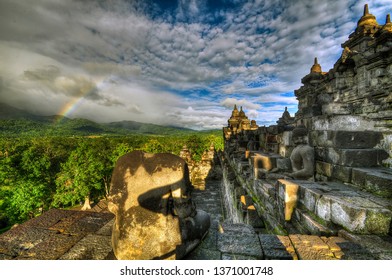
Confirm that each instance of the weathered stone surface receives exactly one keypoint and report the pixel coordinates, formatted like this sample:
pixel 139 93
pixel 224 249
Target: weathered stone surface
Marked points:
pixel 91 247
pixel 239 239
pixel 277 247
pixel 379 246
pixel 237 257
pixel 333 171
pixel 313 225
pixel 355 139
pixel 351 157
pixel 51 217
pixel 31 243
pixel 51 235
pixel 155 217
pixel 360 215
pixel 342 139
pixel 288 192
pixel 203 254
pixel 90 223
pixel 283 164
pixel 374 180
pixel 310 247
pixel 264 161
pixel 106 229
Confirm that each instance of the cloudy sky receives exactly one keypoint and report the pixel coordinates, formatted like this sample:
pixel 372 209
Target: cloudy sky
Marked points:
pixel 172 62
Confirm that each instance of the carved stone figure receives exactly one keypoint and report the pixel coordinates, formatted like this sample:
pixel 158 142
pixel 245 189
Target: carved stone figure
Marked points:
pixel 302 157
pixel 155 217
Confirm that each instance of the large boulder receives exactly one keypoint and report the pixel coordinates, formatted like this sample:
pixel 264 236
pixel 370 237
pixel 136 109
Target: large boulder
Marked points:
pixel 150 195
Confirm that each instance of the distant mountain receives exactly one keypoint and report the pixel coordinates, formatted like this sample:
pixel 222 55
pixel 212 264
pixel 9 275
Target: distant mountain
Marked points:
pixel 147 128
pixel 8 112
pixel 16 122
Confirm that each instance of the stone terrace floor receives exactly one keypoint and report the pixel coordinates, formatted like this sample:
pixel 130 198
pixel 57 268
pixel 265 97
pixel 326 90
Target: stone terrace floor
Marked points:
pixel 78 235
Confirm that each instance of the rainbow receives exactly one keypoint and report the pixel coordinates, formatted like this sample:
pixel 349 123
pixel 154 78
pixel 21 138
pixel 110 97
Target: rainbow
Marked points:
pixel 69 108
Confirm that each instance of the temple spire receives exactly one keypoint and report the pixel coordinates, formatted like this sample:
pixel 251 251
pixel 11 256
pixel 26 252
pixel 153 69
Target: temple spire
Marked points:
pixel 316 68
pixel 366 10
pixel 367 19
pixel 388 25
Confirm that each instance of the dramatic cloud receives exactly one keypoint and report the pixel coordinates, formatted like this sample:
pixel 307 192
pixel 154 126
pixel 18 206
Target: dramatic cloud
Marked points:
pixel 183 63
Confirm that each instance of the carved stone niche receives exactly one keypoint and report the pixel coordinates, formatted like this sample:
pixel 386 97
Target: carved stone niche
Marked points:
pixel 150 195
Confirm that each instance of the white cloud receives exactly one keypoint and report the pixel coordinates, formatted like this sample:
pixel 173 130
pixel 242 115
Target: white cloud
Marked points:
pixel 230 102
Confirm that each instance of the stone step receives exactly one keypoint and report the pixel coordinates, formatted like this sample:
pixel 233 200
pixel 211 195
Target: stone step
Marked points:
pixel 330 172
pixel 374 180
pixel 339 204
pixel 345 139
pixel 351 157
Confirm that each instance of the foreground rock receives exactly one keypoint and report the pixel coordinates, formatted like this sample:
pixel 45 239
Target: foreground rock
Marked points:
pixel 155 216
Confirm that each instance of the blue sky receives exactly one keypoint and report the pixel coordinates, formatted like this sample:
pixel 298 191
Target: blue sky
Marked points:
pixel 183 63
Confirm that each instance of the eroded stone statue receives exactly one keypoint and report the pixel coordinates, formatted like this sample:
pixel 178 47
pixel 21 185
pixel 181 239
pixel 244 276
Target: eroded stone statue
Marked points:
pixel 301 161
pixel 302 157
pixel 155 217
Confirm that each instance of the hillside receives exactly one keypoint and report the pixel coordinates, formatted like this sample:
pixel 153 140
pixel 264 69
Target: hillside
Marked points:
pixel 15 123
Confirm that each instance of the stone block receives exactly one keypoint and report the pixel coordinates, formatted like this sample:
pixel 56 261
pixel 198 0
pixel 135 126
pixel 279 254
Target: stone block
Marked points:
pixel 309 194
pixel 265 161
pixel 310 247
pixel 319 138
pixel 288 193
pixel 360 215
pixel 312 225
pixel 283 164
pixel 264 189
pixel 355 139
pixel 323 208
pixel 252 218
pixel 374 180
pixel 239 239
pixel 91 247
pixel 277 247
pixel 342 173
pixel 350 157
pixel 345 123
pixel 335 109
pixel 333 171
pixel 286 139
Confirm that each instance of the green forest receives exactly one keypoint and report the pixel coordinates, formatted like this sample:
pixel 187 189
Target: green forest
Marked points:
pixel 39 173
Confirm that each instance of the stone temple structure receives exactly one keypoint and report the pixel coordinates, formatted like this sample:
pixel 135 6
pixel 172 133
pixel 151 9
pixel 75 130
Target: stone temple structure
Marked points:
pixel 346 114
pixel 238 123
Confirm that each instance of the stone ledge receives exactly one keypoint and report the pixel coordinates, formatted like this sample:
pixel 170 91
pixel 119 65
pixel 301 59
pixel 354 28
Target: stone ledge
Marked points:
pixel 343 139
pixel 351 157
pixel 374 180
pixel 347 207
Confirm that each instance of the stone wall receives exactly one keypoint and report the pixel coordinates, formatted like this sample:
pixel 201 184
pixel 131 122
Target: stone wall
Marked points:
pixel 348 112
pixel 356 94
